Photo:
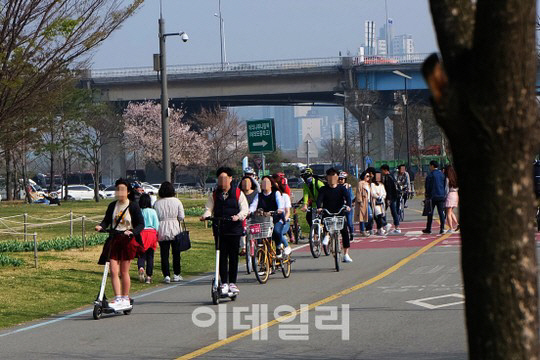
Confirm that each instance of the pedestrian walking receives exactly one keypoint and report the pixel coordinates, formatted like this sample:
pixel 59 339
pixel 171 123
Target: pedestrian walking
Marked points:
pixel 170 213
pixel 362 200
pixel 392 198
pixel 342 180
pixel 149 238
pixel 452 198
pixel 378 198
pixel 435 194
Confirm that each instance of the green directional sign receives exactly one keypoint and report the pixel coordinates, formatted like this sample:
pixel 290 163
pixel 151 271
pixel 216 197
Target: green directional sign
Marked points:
pixel 261 136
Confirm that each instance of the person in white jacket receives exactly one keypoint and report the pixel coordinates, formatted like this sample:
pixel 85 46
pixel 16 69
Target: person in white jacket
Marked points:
pixel 378 198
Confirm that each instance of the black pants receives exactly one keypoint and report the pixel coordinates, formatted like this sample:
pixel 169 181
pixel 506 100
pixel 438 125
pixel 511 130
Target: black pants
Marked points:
pixel 345 235
pixel 439 204
pixel 381 221
pixel 229 246
pixel 165 246
pixel 147 257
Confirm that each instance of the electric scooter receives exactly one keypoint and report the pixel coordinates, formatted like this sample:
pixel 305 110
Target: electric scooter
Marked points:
pixel 101 304
pixel 216 281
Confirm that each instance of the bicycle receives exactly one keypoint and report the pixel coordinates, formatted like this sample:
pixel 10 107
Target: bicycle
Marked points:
pixel 263 251
pixel 295 225
pixel 401 206
pixel 334 224
pixel 315 234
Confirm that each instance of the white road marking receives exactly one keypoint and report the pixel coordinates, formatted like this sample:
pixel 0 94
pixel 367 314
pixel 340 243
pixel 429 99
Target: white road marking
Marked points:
pixel 424 302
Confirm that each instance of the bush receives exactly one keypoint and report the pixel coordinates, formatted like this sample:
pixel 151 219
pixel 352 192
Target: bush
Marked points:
pixel 9 261
pixel 59 243
pixel 194 211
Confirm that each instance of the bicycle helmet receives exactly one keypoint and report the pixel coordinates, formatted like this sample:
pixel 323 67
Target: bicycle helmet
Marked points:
pixel 249 171
pixel 307 172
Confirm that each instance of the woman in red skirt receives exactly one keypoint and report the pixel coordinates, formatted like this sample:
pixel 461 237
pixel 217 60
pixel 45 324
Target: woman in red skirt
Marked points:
pixel 124 214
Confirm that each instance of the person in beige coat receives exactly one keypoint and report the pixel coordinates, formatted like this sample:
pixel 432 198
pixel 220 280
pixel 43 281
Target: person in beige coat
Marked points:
pixel 361 203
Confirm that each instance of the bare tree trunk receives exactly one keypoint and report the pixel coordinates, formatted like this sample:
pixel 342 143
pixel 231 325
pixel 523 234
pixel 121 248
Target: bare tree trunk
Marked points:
pixel 488 112
pixel 9 192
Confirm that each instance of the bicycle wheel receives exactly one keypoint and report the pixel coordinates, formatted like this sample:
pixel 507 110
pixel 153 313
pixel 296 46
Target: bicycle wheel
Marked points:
pixel 336 250
pixel 326 248
pixel 286 265
pixel 261 267
pixel 314 241
pixel 248 255
pixel 296 228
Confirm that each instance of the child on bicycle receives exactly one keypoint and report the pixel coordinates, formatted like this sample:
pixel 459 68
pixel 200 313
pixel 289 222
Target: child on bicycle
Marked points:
pixel 270 200
pixel 248 187
pixel 124 214
pixel 227 202
pixel 332 197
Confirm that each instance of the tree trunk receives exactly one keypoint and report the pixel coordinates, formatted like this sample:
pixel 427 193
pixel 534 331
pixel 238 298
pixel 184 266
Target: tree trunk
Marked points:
pixel 9 192
pixel 488 112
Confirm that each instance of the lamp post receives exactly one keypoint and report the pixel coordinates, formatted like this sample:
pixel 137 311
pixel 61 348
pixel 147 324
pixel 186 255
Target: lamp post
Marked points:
pixel 346 160
pixel 164 94
pixel 221 36
pixel 405 103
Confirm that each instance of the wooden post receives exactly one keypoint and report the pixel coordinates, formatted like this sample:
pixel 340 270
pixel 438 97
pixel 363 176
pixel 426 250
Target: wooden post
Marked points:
pixel 83 233
pixel 35 251
pixel 70 225
pixel 25 225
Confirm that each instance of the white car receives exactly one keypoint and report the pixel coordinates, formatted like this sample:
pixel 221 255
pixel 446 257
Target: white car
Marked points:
pixel 81 192
pixel 109 192
pixel 149 189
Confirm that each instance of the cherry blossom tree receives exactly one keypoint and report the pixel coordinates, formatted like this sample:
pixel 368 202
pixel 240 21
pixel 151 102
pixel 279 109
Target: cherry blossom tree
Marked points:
pixel 142 134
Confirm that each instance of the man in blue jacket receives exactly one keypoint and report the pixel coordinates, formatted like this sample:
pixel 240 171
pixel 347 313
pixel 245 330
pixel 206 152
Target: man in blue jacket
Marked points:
pixel 435 191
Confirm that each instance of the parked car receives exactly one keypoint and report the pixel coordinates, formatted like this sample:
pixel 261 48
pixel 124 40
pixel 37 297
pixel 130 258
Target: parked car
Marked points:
pixel 81 192
pixel 295 183
pixel 150 189
pixel 109 192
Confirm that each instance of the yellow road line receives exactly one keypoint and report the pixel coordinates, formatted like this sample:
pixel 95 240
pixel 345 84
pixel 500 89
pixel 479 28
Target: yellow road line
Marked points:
pixel 326 300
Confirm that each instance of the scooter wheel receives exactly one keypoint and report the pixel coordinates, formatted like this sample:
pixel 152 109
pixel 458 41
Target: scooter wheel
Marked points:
pixel 215 298
pixel 98 311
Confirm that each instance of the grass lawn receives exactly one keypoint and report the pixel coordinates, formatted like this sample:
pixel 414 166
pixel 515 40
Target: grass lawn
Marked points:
pixel 70 279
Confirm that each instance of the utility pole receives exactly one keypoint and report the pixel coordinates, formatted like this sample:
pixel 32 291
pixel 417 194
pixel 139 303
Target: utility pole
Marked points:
pixel 164 101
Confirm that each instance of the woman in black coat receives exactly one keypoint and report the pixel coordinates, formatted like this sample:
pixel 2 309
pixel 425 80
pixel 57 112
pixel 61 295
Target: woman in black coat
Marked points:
pixel 125 216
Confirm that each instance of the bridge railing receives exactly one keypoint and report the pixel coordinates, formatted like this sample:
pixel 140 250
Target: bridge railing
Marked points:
pixel 284 65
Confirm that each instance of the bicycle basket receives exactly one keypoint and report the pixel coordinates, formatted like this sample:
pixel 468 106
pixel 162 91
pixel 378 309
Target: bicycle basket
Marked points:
pixel 260 227
pixel 334 223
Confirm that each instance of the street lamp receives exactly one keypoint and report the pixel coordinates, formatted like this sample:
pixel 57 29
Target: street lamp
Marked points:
pixel 346 161
pixel 221 36
pixel 405 103
pixel 164 94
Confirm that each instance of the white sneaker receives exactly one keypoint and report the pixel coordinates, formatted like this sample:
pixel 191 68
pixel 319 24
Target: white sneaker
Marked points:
pixel 225 289
pixel 287 250
pixel 118 304
pixel 167 279
pixel 450 231
pixel 141 275
pixel 234 289
pixel 177 278
pixel 347 259
pixel 387 227
pixel 372 232
pixel 395 232
pixel 380 232
pixel 326 240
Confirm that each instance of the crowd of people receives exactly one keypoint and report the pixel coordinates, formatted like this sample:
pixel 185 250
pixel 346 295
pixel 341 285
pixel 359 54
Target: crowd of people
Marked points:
pixel 141 221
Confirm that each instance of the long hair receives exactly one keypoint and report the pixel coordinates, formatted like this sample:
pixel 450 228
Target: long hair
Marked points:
pixel 275 186
pixel 451 175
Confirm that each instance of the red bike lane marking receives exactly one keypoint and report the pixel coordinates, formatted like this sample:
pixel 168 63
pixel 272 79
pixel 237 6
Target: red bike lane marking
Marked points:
pixel 411 236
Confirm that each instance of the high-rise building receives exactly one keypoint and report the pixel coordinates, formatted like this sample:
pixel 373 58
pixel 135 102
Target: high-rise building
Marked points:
pixel 403 44
pixel 370 43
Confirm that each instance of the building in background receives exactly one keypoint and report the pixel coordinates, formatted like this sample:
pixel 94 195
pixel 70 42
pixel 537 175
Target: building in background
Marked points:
pixel 370 43
pixel 403 45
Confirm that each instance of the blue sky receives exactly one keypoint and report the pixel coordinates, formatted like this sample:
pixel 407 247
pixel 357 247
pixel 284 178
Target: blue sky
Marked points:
pixel 259 30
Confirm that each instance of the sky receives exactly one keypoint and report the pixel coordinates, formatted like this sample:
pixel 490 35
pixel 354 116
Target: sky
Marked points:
pixel 259 30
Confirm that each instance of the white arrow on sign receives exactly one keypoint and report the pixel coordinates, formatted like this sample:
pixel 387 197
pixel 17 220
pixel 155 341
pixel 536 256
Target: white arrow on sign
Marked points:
pixel 262 143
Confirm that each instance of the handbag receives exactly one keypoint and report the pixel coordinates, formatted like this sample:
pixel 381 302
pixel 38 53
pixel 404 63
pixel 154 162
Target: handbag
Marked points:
pixel 182 240
pixel 427 208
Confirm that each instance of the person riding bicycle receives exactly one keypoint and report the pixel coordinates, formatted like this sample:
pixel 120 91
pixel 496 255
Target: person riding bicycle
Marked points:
pixel 404 183
pixel 270 200
pixel 332 197
pixel 251 174
pixel 227 202
pixel 342 180
pixel 247 185
pixel 312 185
